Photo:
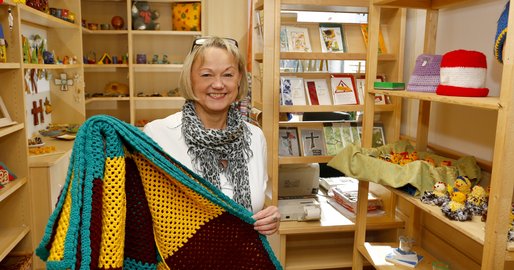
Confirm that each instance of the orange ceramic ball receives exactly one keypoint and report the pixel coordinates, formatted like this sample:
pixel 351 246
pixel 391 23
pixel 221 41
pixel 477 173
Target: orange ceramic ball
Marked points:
pixel 117 22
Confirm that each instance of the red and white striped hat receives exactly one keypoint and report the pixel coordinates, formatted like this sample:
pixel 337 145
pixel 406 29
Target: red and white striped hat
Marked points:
pixel 463 74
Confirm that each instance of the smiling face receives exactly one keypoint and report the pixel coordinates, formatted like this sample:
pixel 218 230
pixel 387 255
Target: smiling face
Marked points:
pixel 214 79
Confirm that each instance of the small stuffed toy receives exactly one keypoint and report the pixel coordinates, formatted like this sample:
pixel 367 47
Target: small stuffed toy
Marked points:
pixel 462 184
pixel 438 196
pixel 143 17
pixel 477 200
pixel 456 208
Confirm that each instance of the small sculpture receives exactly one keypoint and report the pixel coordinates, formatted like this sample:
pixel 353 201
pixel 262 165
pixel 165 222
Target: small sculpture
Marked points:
pixel 117 22
pixel 438 196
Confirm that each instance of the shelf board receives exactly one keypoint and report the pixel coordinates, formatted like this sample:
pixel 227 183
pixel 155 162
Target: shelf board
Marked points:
pixel 490 103
pixel 37 17
pixel 331 56
pixel 104 32
pixel 103 67
pixel 51 66
pixel 333 221
pixel 11 188
pixel 332 108
pixel 320 257
pixel 304 159
pixel 424 4
pixel 105 99
pixel 157 67
pixel 473 229
pixel 9 238
pixel 4 131
pixel 375 254
pixel 165 33
pixel 10 65
pixel 328 3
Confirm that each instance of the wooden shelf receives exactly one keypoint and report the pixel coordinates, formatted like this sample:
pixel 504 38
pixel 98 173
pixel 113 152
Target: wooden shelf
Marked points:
pixel 332 108
pixel 164 33
pixel 106 99
pixel 327 3
pixel 375 254
pixel 4 131
pixel 332 56
pixel 104 32
pixel 11 188
pixel 9 238
pixel 37 17
pixel 157 67
pixel 319 257
pixel 424 4
pixel 10 65
pixel 489 103
pixel 51 66
pixel 103 67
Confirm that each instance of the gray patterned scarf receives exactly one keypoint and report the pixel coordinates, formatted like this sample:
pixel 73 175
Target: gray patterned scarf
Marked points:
pixel 208 147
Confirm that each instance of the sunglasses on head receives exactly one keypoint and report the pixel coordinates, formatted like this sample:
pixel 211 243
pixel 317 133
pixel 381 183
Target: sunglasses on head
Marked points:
pixel 201 40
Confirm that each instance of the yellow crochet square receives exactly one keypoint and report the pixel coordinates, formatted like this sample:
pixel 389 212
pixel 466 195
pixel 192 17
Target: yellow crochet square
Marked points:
pixel 186 16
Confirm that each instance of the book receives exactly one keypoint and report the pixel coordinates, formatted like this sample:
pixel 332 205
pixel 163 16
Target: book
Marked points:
pixel 312 141
pixel 381 42
pixel 298 39
pixel 333 138
pixel 289 144
pixel 346 183
pixel 389 85
pixel 331 37
pixel 343 89
pixel 317 92
pixel 410 259
pixel 348 199
pixel 284 45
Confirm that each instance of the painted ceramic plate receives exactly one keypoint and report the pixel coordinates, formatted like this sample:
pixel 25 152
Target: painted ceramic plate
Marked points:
pixel 66 137
pixel 36 145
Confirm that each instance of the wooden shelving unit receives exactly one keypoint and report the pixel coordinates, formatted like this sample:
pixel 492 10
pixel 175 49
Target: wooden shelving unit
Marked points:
pixel 141 79
pixel 465 245
pixel 327 243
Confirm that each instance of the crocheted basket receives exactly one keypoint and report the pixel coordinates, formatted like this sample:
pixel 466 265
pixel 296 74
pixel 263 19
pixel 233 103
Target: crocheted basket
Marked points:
pixel 128 205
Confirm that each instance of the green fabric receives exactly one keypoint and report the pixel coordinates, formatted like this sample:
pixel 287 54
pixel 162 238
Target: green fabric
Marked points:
pixel 364 164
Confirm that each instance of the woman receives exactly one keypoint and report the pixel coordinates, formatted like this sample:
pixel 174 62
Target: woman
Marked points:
pixel 209 136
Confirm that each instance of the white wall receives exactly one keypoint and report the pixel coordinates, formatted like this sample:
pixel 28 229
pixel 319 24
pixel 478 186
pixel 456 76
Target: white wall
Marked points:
pixel 467 130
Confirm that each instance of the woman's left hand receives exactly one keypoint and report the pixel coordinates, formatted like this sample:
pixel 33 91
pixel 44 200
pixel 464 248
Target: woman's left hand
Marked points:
pixel 267 220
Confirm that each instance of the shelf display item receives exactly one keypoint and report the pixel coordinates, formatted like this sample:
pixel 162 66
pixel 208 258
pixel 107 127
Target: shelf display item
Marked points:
pixel 501 33
pixel 146 218
pixel 5 174
pixel 426 74
pixel 331 37
pixel 117 22
pixel 5 118
pixel 463 74
pixel 186 16
pixel 144 17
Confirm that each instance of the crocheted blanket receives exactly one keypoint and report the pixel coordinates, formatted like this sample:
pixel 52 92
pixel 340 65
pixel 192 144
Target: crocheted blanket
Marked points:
pixel 126 204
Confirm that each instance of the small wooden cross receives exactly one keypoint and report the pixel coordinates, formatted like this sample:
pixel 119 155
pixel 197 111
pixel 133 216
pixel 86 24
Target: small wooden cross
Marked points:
pixel 37 111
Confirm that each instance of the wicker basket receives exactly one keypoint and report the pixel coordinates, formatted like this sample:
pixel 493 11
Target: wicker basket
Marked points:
pixel 22 261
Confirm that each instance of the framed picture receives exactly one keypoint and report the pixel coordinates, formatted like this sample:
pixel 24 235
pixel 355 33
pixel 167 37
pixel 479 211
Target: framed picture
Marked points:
pixel 313 142
pixel 289 144
pixel 5 119
pixel 298 39
pixel 343 89
pixel 331 37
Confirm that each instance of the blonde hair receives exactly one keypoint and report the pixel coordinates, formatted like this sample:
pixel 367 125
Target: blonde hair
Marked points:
pixel 185 86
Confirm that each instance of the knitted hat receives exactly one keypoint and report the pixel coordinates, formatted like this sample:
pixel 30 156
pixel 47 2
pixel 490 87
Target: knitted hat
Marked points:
pixel 501 33
pixel 463 74
pixel 425 77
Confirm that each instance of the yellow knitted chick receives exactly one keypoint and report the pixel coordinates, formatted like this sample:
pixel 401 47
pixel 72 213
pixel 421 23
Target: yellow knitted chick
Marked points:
pixel 462 184
pixel 477 196
pixel 457 202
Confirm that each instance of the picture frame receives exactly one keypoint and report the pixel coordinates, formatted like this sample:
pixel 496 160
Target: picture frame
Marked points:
pixel 343 89
pixel 298 39
pixel 289 143
pixel 331 37
pixel 313 142
pixel 5 119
